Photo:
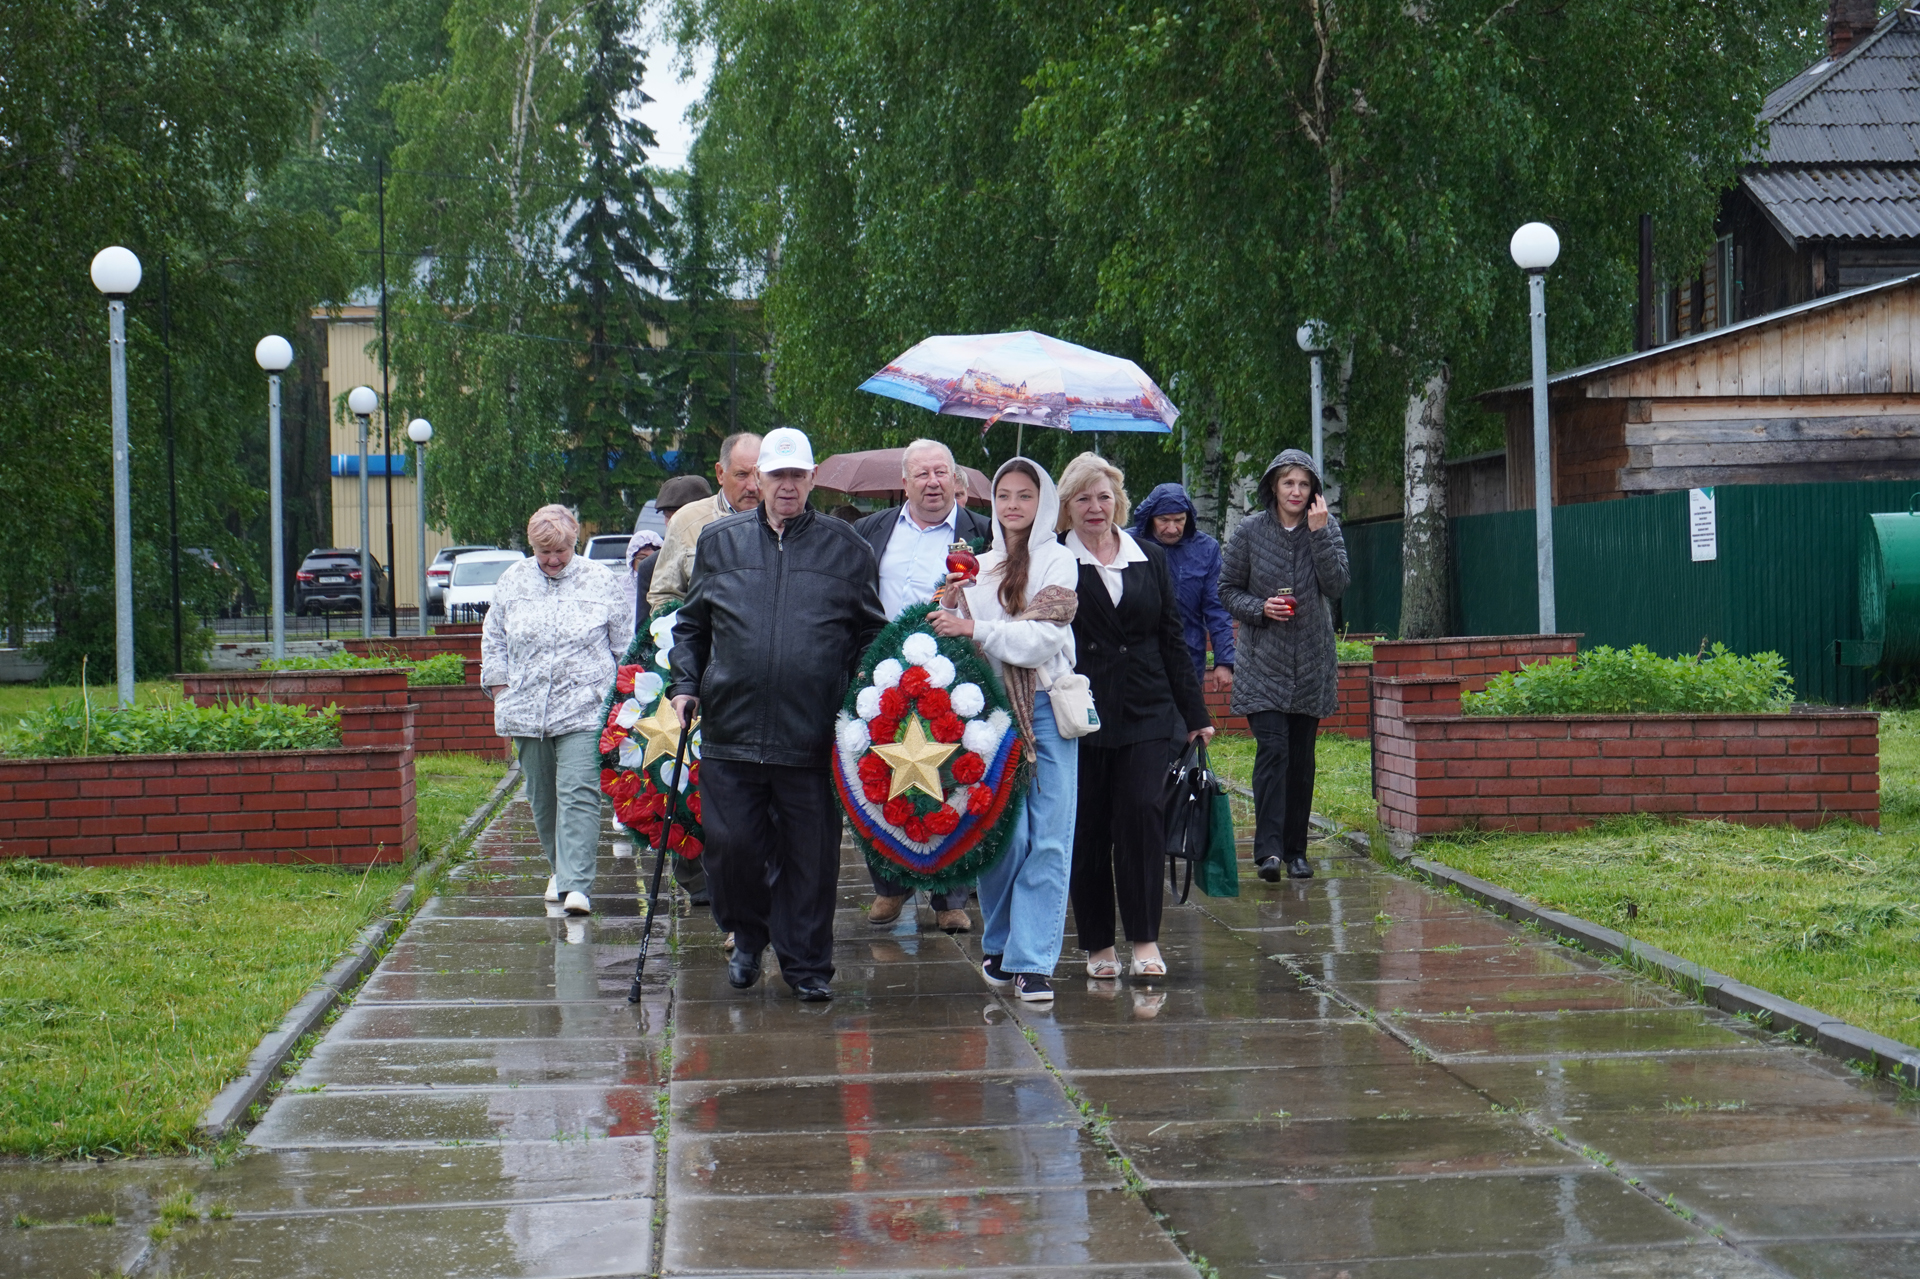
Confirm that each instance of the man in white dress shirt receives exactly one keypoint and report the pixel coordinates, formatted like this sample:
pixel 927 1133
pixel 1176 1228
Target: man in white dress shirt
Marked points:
pixel 911 544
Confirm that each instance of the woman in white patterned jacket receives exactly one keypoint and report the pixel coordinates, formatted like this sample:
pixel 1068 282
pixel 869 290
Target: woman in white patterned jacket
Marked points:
pixel 553 639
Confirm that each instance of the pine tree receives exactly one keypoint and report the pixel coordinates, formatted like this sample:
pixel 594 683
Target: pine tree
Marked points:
pixel 618 228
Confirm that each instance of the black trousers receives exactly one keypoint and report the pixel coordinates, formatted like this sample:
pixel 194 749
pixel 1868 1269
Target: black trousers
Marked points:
pixel 1282 782
pixel 776 833
pixel 883 887
pixel 1119 841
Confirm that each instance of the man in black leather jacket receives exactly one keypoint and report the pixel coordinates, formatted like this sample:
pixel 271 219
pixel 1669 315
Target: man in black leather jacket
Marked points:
pixel 782 604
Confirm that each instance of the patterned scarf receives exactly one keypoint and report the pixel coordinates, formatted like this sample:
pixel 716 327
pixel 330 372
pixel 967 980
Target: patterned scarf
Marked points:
pixel 1054 604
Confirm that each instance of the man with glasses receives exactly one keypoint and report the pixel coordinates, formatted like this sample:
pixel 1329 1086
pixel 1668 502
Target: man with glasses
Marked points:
pixel 911 544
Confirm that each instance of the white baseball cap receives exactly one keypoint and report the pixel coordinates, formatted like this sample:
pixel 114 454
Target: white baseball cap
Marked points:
pixel 785 449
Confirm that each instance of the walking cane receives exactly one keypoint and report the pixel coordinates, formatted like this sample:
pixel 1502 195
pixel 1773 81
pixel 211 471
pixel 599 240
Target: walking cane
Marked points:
pixel 666 831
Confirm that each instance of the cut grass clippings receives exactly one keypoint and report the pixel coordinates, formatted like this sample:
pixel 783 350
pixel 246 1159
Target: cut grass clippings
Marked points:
pixel 1829 918
pixel 129 996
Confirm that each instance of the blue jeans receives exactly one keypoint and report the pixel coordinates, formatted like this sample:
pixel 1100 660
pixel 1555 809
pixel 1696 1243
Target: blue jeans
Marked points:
pixel 1023 896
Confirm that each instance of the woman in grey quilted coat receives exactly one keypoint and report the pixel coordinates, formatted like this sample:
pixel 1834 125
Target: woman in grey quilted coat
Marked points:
pixel 1283 568
pixel 555 632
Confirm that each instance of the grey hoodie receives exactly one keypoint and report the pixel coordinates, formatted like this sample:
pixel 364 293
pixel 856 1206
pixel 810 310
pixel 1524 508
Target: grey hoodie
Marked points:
pixel 1285 666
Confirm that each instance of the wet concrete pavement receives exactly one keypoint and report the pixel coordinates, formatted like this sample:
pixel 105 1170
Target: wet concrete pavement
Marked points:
pixel 1353 1076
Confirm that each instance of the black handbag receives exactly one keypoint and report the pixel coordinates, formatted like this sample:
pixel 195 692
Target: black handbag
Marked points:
pixel 1190 809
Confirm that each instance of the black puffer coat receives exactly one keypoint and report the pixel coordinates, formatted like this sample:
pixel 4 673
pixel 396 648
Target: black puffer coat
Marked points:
pixel 1289 666
pixel 772 629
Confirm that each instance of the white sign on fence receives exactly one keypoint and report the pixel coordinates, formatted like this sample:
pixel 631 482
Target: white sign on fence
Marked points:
pixel 1702 530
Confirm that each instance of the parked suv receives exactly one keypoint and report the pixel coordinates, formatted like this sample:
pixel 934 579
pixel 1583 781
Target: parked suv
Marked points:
pixel 470 591
pixel 329 581
pixel 440 570
pixel 609 549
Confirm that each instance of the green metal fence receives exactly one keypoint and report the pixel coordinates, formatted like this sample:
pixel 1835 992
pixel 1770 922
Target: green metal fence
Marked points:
pixel 1784 579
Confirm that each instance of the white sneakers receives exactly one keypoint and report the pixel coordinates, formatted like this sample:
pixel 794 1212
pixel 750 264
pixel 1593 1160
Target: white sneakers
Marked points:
pixel 576 903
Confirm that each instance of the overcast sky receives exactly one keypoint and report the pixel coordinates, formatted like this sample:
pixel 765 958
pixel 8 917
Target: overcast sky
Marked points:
pixel 667 114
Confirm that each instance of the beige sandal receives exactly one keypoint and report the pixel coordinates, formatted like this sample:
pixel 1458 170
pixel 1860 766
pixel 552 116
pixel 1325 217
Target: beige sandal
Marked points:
pixel 1103 969
pixel 1156 967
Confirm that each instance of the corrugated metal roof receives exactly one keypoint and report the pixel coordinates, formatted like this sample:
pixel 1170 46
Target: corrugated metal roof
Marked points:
pixel 1709 335
pixel 1863 108
pixel 1840 203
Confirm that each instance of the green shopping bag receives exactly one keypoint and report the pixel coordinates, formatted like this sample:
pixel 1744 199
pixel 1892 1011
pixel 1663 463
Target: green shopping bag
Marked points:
pixel 1220 869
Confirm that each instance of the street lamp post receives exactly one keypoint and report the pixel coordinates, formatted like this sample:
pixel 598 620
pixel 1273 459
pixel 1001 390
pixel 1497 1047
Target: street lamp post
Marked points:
pixel 1312 339
pixel 1535 247
pixel 116 273
pixel 361 401
pixel 274 354
pixel 420 431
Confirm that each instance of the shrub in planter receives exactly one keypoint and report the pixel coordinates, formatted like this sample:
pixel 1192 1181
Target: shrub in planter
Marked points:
pixel 1638 681
pixel 1353 650
pixel 75 728
pixel 443 668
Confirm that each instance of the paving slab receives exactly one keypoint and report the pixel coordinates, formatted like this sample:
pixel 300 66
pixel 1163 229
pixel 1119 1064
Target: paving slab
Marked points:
pixel 1353 1076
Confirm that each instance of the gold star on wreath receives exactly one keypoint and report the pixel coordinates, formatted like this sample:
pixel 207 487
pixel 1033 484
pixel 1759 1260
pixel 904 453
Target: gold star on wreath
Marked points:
pixel 662 731
pixel 916 761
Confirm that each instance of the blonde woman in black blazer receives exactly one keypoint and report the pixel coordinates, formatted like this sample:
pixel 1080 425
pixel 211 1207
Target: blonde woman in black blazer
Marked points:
pixel 1127 634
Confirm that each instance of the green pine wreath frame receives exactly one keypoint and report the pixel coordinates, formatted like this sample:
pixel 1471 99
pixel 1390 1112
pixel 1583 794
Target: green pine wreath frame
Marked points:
pixel 643 805
pixel 957 859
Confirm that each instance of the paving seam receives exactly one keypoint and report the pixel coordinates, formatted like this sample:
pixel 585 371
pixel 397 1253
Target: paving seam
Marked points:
pixel 1810 1027
pixel 229 1109
pixel 362 1210
pixel 1548 1132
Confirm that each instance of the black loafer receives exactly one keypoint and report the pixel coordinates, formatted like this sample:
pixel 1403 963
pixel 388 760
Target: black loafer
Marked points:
pixel 742 969
pixel 1270 869
pixel 1299 869
pixel 813 990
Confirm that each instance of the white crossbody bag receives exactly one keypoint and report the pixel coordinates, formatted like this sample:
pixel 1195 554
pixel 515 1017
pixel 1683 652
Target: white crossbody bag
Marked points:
pixel 1074 714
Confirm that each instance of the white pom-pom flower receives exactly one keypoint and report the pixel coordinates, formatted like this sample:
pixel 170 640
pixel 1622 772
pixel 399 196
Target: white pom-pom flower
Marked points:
pixel 967 700
pixel 940 671
pixel 981 737
pixel 853 735
pixel 1001 721
pixel 920 648
pixel 887 674
pixel 647 686
pixel 867 702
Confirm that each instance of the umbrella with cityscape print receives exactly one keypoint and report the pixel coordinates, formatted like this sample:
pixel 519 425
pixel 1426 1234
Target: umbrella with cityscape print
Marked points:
pixel 1026 378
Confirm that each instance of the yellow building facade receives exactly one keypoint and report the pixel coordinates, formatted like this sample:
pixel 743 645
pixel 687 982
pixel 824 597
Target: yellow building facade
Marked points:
pixel 353 359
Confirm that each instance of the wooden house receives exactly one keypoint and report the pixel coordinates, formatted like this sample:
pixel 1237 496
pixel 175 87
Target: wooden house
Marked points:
pixel 1825 391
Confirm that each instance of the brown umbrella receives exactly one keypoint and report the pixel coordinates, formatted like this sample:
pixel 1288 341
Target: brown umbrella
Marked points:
pixel 876 472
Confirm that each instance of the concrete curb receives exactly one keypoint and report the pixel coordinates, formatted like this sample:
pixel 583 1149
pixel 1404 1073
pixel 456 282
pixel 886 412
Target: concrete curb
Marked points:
pixel 230 1107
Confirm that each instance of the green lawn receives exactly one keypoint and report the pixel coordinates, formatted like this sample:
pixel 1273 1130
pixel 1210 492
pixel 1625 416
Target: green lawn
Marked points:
pixel 129 997
pixel 23 699
pixel 1830 917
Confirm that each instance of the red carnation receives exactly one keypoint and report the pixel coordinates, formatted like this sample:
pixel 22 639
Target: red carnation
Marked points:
pixel 875 791
pixel 915 829
pixel 934 703
pixel 968 768
pixel 898 811
pixel 943 821
pixel 914 682
pixel 949 728
pixel 872 766
pixel 884 730
pixel 894 703
pixel 979 801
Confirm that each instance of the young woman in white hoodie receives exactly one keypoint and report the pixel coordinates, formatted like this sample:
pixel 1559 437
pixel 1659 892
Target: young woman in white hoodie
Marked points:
pixel 1019 611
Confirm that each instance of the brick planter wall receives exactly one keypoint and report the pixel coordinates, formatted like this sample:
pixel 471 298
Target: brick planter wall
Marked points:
pixel 415 648
pixel 382 687
pixel 1472 659
pixel 458 719
pixel 350 805
pixel 1436 770
pixel 1350 719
